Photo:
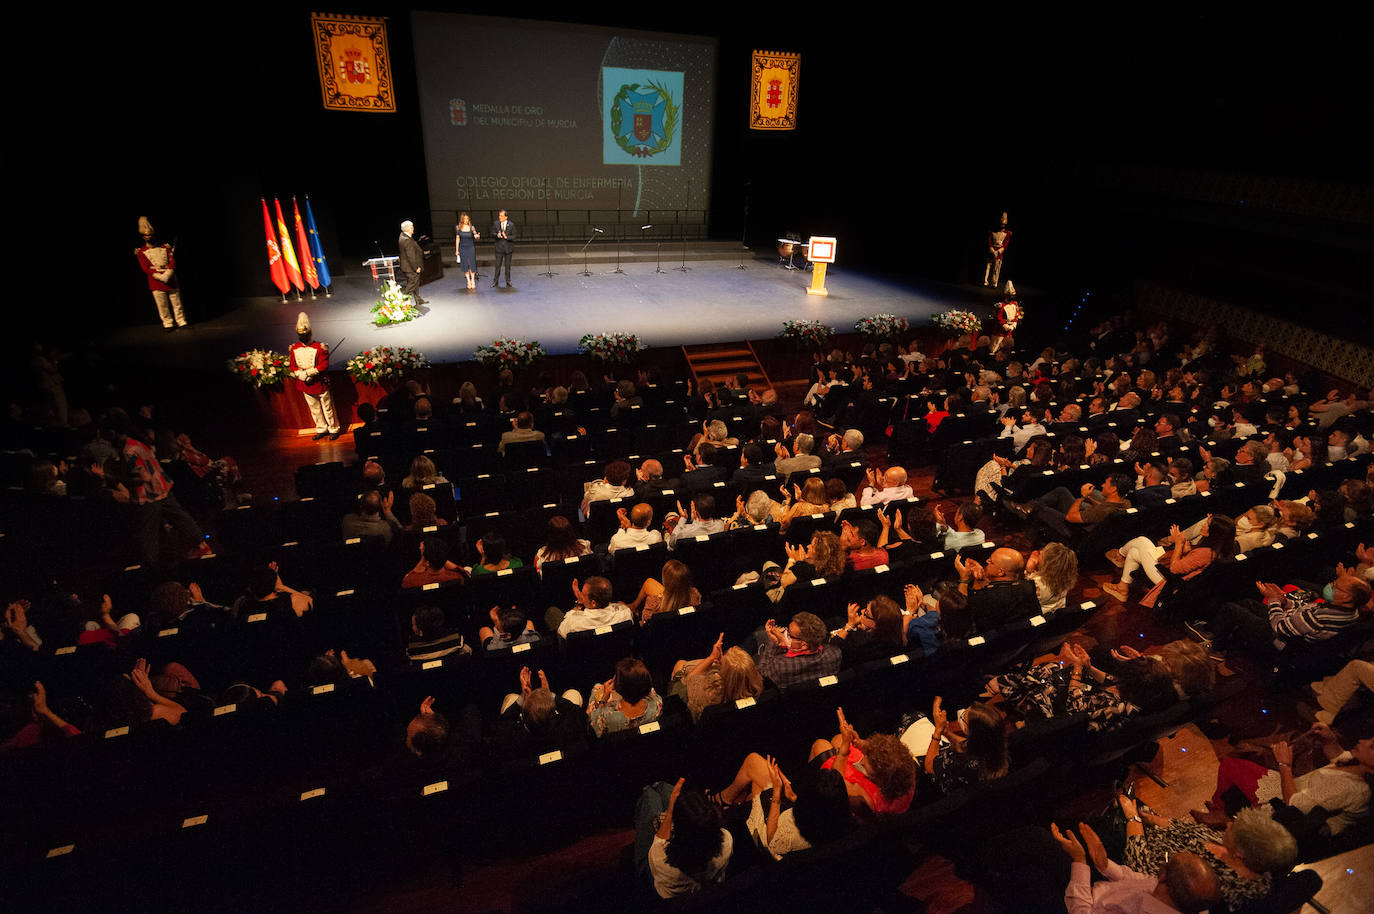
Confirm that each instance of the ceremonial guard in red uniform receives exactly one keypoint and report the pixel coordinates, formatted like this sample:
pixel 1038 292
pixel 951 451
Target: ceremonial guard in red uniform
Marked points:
pixel 1009 313
pixel 998 239
pixel 309 362
pixel 156 260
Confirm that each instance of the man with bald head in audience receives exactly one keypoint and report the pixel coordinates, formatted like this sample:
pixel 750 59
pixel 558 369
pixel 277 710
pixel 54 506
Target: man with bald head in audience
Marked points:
pixel 894 487
pixel 998 593
pixel 1186 883
pixel 635 528
pixel 649 479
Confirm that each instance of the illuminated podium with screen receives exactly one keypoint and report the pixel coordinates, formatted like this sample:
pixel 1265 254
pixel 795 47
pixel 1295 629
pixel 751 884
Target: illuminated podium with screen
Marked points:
pixel 820 251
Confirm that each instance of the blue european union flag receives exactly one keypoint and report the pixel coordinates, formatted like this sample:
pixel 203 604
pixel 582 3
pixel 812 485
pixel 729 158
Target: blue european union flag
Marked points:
pixel 316 248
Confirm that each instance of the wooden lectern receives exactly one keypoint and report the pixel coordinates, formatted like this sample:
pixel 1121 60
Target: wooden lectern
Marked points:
pixel 820 252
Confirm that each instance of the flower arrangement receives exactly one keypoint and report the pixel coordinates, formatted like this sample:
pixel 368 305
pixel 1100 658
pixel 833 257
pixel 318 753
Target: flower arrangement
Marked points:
pixel 384 363
pixel 394 307
pixel 882 326
pixel 510 353
pixel 611 347
pixel 807 334
pixel 958 323
pixel 260 367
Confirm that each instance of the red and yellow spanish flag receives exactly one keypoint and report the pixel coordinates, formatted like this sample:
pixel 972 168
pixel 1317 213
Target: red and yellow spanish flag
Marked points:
pixel 774 79
pixel 288 253
pixel 312 276
pixel 274 264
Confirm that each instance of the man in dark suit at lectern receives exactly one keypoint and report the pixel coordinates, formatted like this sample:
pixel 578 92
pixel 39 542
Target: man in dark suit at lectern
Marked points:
pixel 503 230
pixel 412 262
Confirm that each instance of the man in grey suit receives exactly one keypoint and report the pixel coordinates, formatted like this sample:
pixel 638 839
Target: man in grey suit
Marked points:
pixel 412 261
pixel 503 230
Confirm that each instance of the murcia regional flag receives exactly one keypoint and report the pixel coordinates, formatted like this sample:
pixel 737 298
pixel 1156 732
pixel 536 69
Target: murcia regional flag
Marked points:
pixel 773 91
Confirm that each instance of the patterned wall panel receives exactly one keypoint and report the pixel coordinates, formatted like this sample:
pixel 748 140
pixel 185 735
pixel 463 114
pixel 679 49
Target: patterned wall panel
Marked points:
pixel 1333 355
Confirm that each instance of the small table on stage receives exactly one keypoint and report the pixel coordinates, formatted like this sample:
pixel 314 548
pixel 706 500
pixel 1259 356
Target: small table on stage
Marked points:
pixel 787 247
pixel 387 264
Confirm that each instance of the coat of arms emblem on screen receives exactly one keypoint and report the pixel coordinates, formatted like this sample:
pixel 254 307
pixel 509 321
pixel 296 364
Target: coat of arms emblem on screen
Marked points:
pixel 644 119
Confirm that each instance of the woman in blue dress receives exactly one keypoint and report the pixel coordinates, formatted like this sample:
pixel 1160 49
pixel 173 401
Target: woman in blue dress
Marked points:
pixel 466 248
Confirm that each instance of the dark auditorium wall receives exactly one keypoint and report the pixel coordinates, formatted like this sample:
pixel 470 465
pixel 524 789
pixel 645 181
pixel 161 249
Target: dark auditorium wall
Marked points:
pixel 913 135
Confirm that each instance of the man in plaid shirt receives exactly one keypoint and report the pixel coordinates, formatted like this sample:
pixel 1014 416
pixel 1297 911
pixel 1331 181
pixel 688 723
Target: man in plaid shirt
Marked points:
pixel 798 653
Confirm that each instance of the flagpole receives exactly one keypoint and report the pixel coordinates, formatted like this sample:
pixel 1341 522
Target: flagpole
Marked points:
pixel 315 233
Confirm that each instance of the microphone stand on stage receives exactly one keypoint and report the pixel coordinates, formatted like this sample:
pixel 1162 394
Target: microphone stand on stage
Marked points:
pixel 618 229
pixel 744 232
pixel 585 271
pixel 658 252
pixel 684 268
pixel 548 243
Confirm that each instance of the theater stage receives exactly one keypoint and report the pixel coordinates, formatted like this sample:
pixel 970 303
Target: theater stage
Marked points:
pixel 714 301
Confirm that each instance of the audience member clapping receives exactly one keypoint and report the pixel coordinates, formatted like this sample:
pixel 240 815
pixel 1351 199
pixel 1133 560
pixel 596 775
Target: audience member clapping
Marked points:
pixel 879 772
pixel 1058 687
pixel 784 818
pixel 1183 560
pixel 893 487
pixel 635 528
pixel 720 676
pixel 823 557
pixel 971 749
pixel 680 844
pixel 625 701
pixel 871 632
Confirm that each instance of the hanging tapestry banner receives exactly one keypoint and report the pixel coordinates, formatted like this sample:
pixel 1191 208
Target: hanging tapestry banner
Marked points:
pixel 773 91
pixel 354 62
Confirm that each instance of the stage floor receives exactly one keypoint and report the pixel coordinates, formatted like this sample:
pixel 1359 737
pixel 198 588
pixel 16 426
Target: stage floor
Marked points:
pixel 714 301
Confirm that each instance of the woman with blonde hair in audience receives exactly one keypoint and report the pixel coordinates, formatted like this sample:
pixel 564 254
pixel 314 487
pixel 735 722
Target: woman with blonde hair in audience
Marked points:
pixel 422 473
pixel 670 594
pixel 467 400
pixel 810 499
pixel 1256 528
pixel 1054 571
pixel 822 558
pixel 720 676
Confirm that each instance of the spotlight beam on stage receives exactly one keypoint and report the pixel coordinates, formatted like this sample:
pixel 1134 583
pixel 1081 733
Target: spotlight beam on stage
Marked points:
pixel 713 303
